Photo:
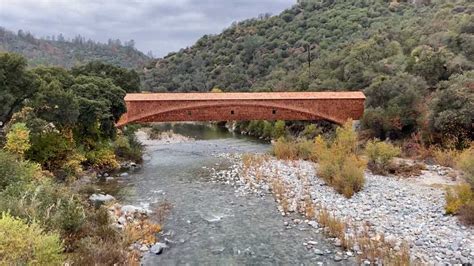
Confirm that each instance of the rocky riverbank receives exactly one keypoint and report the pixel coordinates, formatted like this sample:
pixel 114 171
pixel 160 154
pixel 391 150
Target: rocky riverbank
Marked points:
pixel 399 210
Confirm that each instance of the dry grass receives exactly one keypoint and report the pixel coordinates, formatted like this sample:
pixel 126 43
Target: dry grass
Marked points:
pixel 143 232
pixel 457 197
pixel 284 149
pixel 373 247
pixel 446 157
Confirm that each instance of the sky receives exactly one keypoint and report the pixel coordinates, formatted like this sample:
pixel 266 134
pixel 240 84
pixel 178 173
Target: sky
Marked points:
pixel 160 26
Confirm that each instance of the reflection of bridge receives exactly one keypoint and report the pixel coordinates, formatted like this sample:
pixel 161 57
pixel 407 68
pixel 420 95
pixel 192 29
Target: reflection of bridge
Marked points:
pixel 164 107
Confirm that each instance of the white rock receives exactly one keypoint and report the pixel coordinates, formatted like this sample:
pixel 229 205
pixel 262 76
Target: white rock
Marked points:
pixel 101 198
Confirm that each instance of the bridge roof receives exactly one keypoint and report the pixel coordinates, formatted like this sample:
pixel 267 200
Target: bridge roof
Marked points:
pixel 356 95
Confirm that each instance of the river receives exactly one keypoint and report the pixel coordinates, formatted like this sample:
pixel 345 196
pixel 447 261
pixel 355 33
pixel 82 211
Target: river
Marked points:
pixel 209 224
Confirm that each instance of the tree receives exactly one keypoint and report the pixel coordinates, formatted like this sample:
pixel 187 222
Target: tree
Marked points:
pixel 102 95
pixel 393 105
pixel 126 79
pixel 452 110
pixel 18 139
pixel 16 84
pixel 53 104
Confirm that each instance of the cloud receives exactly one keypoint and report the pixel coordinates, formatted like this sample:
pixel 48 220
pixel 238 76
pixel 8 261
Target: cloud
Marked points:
pixel 161 26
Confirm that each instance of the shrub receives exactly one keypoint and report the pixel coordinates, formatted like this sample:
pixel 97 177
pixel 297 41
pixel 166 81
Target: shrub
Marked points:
pixel 284 149
pixel 466 164
pixel 446 157
pixel 267 129
pixel 339 164
pixel 18 139
pixel 50 149
pixel 310 131
pixel 279 129
pixel 22 244
pixel 380 154
pixel 128 147
pixel 466 213
pixel 457 197
pixel 13 170
pixel 103 159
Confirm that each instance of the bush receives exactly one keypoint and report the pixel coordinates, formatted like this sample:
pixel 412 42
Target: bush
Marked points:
pixel 267 130
pixel 22 244
pixel 18 139
pixel 13 170
pixel 457 197
pixel 127 147
pixel 310 131
pixel 339 164
pixel 466 164
pixel 466 213
pixel 380 155
pixel 279 129
pixel 284 149
pixel 103 159
pixel 446 157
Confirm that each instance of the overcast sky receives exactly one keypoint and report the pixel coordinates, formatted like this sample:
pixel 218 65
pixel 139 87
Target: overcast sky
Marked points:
pixel 160 26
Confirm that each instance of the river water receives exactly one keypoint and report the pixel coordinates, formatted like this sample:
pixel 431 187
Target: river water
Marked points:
pixel 209 224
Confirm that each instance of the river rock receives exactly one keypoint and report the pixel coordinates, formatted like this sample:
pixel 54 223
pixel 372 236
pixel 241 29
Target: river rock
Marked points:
pixel 101 198
pixel 158 248
pixel 318 252
pixel 130 210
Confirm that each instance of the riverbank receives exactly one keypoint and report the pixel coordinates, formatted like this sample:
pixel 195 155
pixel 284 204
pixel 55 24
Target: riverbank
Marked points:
pixel 400 210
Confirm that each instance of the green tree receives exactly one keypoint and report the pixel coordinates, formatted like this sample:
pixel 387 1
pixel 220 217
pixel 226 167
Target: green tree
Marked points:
pixel 393 105
pixel 16 84
pixel 126 79
pixel 452 110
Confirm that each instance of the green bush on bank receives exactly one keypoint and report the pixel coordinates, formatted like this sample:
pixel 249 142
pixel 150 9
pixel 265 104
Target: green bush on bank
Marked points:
pixel 339 163
pixel 380 155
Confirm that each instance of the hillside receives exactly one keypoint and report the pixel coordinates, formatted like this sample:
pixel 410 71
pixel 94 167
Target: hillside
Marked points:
pixel 68 53
pixel 414 61
pixel 351 42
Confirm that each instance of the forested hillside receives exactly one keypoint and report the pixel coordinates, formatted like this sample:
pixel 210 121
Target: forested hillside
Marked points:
pixel 57 51
pixel 401 53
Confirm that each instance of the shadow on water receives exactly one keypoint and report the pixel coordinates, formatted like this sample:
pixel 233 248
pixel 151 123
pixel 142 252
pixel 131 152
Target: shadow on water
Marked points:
pixel 209 224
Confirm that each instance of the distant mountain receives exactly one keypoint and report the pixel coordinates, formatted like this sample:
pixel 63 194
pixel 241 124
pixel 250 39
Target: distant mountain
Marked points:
pixel 326 44
pixel 67 53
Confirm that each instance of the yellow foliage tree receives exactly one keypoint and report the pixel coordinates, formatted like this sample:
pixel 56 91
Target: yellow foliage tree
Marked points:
pixel 18 139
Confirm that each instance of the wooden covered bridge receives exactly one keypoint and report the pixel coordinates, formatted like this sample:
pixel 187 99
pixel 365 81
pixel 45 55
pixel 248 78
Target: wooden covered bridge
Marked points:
pixel 166 107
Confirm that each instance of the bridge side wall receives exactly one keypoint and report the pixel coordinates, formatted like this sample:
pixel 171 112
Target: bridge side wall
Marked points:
pixel 336 110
